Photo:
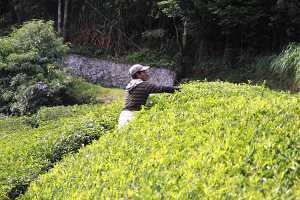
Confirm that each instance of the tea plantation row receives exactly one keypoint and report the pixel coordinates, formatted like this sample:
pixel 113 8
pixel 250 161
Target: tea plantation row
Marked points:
pixel 211 141
pixel 27 152
pixel 11 124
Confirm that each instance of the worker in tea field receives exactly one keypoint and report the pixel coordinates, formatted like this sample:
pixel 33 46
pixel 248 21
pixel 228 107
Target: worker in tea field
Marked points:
pixel 137 92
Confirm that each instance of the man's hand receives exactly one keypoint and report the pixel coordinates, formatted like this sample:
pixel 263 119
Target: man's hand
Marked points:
pixel 177 88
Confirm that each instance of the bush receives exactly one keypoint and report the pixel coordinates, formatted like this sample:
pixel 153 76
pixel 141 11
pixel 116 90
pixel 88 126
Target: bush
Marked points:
pixel 49 114
pixel 24 155
pixel 287 64
pixel 10 125
pixel 29 58
pixel 211 141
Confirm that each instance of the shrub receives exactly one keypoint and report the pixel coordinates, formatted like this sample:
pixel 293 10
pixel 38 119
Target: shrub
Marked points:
pixel 10 125
pixel 24 155
pixel 49 114
pixel 287 64
pixel 29 58
pixel 262 65
pixel 211 141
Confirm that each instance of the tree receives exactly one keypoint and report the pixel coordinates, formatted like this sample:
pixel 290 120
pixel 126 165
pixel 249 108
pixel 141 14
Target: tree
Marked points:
pixel 29 57
pixel 59 17
pixel 172 9
pixel 62 18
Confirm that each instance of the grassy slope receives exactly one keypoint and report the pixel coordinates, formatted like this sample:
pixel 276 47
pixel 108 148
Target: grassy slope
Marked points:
pixel 85 92
pixel 211 141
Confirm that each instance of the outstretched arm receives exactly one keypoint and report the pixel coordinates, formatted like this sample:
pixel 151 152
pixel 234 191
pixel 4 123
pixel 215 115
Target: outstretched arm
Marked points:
pixel 152 88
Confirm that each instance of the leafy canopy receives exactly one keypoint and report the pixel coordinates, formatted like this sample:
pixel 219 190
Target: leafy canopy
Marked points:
pixel 29 59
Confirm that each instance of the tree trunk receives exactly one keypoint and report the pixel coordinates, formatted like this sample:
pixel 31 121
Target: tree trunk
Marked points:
pixel 17 10
pixel 185 33
pixel 65 19
pixel 179 60
pixel 199 55
pixel 228 57
pixel 183 47
pixel 59 17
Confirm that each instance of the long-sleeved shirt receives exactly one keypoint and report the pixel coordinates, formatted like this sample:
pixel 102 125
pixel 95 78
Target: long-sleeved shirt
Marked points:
pixel 138 95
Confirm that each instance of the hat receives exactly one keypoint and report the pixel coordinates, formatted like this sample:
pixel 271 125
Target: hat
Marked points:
pixel 137 68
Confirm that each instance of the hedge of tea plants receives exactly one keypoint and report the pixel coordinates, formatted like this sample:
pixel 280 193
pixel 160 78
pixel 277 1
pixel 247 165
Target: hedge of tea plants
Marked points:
pixel 11 124
pixel 27 153
pixel 210 141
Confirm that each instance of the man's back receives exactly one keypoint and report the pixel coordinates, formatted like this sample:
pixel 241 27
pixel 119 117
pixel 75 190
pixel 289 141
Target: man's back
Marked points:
pixel 137 96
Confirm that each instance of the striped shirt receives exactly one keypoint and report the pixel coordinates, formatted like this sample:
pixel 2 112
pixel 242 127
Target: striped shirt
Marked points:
pixel 137 96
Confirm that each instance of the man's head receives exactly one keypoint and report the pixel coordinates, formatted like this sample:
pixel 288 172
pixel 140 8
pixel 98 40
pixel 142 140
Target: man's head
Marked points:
pixel 139 72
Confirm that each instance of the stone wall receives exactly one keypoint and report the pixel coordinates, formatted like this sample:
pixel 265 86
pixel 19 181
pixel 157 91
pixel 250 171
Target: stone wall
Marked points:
pixel 111 74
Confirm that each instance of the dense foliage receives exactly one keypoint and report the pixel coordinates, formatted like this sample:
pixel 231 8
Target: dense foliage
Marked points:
pixel 190 30
pixel 287 64
pixel 211 141
pixel 11 124
pixel 26 153
pixel 29 58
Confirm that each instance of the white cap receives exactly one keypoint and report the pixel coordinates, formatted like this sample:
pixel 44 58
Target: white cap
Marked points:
pixel 137 68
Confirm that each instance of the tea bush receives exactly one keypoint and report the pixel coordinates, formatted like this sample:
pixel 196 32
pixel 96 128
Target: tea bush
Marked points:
pixel 211 141
pixel 25 154
pixel 12 124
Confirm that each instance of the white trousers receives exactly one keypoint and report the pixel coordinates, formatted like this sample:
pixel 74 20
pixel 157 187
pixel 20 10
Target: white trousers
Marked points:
pixel 125 117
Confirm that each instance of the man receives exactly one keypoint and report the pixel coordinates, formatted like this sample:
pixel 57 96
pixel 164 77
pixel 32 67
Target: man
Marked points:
pixel 137 92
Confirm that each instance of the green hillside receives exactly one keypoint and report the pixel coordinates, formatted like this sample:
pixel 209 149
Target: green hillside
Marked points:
pixel 210 141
